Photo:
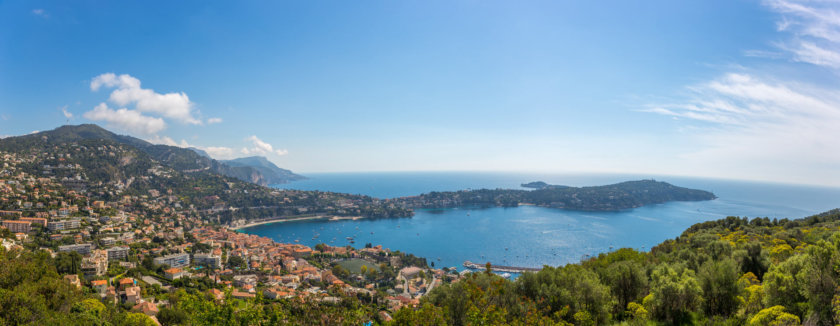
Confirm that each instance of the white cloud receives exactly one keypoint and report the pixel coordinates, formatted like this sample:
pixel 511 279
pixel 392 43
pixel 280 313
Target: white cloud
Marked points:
pixel 129 120
pixel 175 106
pixel 67 114
pixel 815 28
pixel 164 140
pixel 219 152
pixel 261 148
pixel 214 120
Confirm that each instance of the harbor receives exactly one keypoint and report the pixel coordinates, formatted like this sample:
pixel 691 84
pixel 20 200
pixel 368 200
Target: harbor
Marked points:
pixel 499 268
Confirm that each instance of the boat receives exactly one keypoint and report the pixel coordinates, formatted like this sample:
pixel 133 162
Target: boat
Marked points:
pixel 506 275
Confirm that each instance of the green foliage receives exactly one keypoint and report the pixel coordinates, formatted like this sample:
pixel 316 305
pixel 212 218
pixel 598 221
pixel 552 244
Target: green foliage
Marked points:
pixel 675 293
pixel 719 282
pixel 774 316
pixel 599 198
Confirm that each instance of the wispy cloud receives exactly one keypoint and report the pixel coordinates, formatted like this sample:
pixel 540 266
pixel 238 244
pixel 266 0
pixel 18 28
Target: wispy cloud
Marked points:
pixel 214 120
pixel 40 13
pixel 814 27
pixel 67 114
pixel 758 125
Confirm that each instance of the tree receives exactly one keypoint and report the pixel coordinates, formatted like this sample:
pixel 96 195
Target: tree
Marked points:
pixel 719 282
pixel 627 281
pixel 784 285
pixel 168 316
pixel 236 261
pixel 753 259
pixel 674 294
pixel 774 316
pixel 571 287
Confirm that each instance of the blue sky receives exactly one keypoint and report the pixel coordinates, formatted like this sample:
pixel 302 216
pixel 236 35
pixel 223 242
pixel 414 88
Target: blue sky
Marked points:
pixel 727 89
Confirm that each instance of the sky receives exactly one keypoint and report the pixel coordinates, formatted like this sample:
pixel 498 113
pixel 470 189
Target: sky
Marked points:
pixel 725 89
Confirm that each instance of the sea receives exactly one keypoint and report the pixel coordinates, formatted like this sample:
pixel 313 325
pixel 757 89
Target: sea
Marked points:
pixel 529 236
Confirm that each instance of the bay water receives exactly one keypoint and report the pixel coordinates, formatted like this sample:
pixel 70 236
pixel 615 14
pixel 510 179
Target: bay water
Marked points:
pixel 530 236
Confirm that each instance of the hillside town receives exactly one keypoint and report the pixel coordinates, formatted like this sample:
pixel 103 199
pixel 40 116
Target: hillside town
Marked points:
pixel 134 249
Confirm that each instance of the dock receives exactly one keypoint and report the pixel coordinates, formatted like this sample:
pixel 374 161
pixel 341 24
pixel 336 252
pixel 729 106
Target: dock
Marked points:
pixel 500 268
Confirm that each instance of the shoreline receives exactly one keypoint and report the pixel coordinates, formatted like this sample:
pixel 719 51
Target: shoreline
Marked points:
pixel 296 219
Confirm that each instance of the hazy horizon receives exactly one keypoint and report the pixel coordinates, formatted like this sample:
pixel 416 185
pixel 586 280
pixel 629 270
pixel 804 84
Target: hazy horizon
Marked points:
pixel 739 90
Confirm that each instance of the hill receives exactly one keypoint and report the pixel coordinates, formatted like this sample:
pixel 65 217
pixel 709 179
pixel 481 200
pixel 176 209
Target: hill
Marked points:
pixel 99 164
pixel 624 195
pixel 182 159
pixel 269 173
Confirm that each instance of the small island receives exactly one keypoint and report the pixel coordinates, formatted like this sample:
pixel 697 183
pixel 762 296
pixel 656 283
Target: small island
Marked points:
pixel 614 197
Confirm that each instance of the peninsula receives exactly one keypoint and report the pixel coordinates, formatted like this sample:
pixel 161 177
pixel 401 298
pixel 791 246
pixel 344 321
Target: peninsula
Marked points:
pixel 614 197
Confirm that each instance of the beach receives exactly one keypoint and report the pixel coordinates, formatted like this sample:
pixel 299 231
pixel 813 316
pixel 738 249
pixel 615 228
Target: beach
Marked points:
pixel 296 219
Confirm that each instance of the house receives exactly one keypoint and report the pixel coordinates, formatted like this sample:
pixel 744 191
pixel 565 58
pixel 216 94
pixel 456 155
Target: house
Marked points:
pixel 146 308
pixel 242 280
pixel 410 272
pixel 277 293
pixel 174 273
pixel 74 280
pixel 100 286
pixel 132 295
pixel 242 295
pixel 217 294
pixel 126 283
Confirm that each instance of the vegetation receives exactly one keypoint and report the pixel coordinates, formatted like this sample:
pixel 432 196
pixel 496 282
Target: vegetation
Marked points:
pixel 732 271
pixel 618 196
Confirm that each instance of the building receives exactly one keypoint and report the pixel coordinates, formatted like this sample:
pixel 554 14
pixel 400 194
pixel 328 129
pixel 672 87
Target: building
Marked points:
pixel 83 249
pixel 209 260
pixel 100 286
pixel 18 226
pixel 35 220
pixel 174 273
pixel 96 265
pixel 174 260
pixel 63 225
pixel 117 253
pixel 132 295
pixel 242 280
pixel 410 272
pixel 74 280
pixel 107 241
pixel 11 213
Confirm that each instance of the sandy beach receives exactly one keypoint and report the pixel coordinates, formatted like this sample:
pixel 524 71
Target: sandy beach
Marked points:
pixel 295 219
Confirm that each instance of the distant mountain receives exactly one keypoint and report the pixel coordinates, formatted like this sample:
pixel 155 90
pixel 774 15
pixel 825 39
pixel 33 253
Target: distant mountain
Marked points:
pixel 270 172
pixel 181 159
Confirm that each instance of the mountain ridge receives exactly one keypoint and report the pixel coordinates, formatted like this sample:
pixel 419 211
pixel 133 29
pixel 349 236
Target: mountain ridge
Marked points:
pixel 182 159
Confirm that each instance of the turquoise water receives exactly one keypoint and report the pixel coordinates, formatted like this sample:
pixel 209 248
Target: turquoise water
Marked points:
pixel 533 236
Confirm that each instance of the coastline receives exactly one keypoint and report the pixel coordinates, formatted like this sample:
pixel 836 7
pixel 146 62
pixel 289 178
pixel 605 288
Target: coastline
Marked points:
pixel 296 219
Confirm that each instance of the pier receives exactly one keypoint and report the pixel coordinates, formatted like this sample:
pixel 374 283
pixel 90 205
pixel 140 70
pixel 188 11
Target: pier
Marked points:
pixel 499 268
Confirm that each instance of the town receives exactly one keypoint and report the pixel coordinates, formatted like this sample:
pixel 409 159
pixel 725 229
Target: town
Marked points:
pixel 135 250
